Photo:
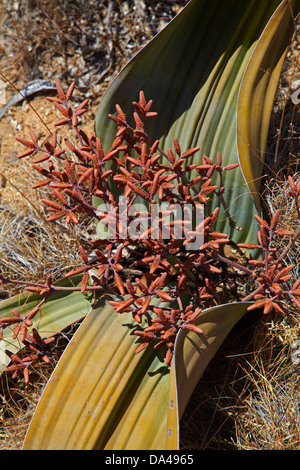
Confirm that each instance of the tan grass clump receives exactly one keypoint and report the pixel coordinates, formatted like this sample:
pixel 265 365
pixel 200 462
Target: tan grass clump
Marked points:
pixel 30 247
pixel 276 197
pixel 270 419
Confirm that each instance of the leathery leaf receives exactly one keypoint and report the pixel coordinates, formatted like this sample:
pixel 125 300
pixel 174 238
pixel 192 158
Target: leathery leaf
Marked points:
pixel 257 92
pixel 112 398
pixel 60 310
pixel 193 70
pixel 192 354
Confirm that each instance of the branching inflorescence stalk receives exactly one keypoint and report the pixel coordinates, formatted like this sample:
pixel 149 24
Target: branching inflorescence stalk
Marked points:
pixel 184 280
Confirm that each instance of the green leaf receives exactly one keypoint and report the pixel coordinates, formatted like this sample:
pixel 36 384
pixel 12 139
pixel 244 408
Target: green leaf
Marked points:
pixel 193 70
pixel 257 93
pixel 60 310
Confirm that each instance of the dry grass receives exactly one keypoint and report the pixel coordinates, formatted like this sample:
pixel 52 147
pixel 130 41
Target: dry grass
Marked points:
pixel 272 408
pixel 272 411
pixel 249 396
pixel 30 247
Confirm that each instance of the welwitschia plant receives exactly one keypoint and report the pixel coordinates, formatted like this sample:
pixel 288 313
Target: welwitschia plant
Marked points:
pixel 199 124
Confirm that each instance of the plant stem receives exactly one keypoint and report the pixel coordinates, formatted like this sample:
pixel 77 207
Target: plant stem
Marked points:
pixel 289 246
pixel 253 293
pixel 233 264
